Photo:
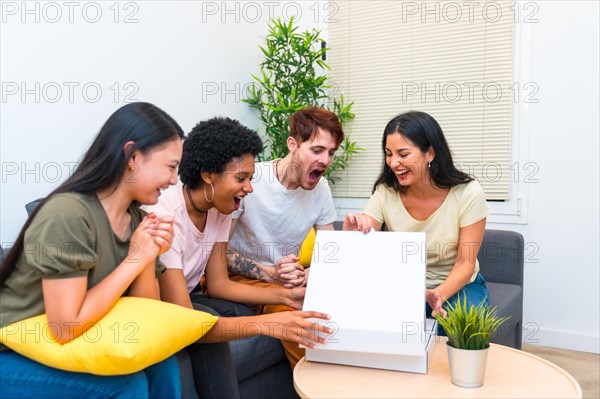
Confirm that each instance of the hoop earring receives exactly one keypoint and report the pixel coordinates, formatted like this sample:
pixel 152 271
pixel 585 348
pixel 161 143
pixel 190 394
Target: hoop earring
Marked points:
pixel 213 193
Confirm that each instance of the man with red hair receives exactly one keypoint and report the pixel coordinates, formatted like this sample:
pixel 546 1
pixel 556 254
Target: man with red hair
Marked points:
pixel 290 197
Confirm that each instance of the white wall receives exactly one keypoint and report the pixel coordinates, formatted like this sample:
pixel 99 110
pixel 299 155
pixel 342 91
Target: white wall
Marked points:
pixel 192 59
pixel 562 281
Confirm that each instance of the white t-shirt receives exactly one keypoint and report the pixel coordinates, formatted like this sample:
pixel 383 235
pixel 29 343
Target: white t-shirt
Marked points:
pixel 273 221
pixel 464 205
pixel 191 248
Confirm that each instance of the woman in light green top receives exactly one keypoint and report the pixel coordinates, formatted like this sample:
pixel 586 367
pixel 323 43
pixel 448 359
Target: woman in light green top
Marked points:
pixel 420 190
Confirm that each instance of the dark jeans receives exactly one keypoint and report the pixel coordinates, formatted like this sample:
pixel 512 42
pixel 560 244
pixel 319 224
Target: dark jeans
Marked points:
pixel 221 306
pixel 212 364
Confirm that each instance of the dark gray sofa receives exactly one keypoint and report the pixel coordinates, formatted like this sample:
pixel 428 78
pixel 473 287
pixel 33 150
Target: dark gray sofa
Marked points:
pixel 501 261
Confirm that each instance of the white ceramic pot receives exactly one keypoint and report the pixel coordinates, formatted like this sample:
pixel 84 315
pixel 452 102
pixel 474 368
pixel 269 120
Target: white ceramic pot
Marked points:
pixel 467 367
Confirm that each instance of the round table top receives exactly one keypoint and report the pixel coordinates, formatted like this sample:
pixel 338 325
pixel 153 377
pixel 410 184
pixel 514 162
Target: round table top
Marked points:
pixel 509 373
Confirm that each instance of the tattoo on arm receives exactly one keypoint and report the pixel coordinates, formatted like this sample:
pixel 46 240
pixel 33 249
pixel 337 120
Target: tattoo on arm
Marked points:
pixel 238 264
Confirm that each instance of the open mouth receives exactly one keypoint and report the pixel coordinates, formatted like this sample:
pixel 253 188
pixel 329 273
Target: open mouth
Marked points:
pixel 402 173
pixel 237 201
pixel 315 175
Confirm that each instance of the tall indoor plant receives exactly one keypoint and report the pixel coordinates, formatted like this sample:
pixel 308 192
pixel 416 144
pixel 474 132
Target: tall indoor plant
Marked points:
pixel 288 81
pixel 469 330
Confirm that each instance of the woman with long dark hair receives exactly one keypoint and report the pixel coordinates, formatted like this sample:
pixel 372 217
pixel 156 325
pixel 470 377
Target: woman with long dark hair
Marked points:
pixel 421 190
pixel 86 245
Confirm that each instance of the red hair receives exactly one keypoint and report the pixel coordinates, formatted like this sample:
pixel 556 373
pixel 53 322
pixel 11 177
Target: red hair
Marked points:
pixel 304 124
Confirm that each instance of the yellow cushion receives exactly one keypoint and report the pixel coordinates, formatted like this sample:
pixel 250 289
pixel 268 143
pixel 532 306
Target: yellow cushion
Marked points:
pixel 307 248
pixel 134 334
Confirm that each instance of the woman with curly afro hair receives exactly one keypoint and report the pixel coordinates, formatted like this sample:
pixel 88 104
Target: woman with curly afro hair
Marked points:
pixel 215 172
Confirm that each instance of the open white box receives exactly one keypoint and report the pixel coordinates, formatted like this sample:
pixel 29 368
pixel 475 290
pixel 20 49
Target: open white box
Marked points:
pixel 373 286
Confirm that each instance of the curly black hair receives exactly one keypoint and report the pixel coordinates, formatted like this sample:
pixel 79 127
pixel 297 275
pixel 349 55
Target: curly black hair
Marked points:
pixel 212 144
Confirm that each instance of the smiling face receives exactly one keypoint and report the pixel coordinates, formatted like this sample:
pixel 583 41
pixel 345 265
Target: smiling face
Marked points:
pixel 233 184
pixel 406 160
pixel 153 171
pixel 310 159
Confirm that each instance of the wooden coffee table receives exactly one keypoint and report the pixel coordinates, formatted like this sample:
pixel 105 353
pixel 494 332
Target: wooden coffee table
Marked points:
pixel 509 373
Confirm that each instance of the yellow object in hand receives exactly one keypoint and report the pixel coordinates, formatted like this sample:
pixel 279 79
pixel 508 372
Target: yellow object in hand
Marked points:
pixel 306 250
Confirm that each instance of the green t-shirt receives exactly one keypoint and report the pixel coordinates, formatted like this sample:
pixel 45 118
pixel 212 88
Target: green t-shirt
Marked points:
pixel 71 236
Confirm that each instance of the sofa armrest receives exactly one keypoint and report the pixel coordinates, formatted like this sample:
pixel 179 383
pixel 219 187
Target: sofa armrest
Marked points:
pixel 501 257
pixel 30 207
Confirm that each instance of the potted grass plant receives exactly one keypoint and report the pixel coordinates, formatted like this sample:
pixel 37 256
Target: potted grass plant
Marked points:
pixel 469 330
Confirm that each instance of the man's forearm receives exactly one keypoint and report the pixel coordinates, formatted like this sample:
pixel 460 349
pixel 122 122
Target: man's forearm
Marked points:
pixel 243 266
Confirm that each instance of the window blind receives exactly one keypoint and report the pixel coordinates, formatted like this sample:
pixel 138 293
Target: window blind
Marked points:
pixel 453 60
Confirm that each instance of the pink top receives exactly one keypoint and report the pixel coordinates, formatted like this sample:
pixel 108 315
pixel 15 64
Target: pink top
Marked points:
pixel 191 248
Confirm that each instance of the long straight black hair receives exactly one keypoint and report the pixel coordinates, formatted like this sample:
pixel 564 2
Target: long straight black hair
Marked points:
pixel 424 132
pixel 104 163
